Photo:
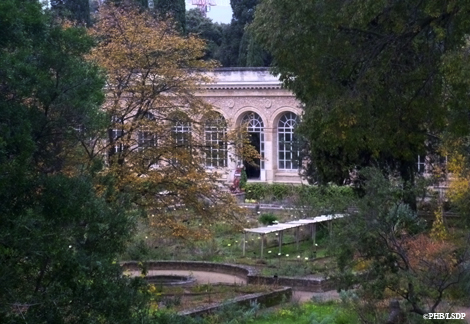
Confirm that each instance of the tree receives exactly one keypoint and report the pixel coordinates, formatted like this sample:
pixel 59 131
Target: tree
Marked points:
pixel 156 143
pixel 375 78
pixel 238 46
pixel 387 244
pixel 176 9
pixel 206 29
pixel 61 225
pixel 75 10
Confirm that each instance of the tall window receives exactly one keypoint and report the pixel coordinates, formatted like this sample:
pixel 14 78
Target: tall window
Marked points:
pixel 255 128
pixel 115 136
pixel 421 164
pixel 145 137
pixel 288 152
pixel 181 132
pixel 215 130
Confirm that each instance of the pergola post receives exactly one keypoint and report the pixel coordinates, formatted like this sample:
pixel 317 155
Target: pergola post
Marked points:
pixel 314 238
pixel 330 228
pixel 244 243
pixel 313 230
pixel 297 236
pixel 262 245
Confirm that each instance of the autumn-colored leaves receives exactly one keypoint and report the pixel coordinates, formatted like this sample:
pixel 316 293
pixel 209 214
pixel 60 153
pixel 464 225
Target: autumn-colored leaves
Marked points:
pixel 155 144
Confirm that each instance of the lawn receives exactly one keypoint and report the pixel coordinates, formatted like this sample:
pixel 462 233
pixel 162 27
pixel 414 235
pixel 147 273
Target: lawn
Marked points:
pixel 226 245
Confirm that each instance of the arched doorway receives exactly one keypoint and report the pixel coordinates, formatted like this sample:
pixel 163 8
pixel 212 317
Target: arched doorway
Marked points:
pixel 255 128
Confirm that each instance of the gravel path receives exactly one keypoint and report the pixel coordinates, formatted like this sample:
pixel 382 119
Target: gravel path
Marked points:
pixel 202 277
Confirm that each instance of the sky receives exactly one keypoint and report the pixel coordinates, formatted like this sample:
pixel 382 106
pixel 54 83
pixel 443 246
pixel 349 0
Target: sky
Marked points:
pixel 221 13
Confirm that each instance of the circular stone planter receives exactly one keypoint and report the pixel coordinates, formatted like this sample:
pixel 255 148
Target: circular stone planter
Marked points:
pixel 170 280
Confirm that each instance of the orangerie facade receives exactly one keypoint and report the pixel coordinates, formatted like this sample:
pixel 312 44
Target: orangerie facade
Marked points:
pixel 254 97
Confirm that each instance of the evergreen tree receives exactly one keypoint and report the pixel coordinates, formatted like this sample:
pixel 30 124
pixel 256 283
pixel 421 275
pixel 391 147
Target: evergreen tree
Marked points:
pixel 206 29
pixel 61 225
pixel 175 9
pixel 75 10
pixel 238 47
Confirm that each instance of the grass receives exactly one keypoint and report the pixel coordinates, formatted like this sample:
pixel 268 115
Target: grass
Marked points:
pixel 309 313
pixel 226 245
pixel 179 298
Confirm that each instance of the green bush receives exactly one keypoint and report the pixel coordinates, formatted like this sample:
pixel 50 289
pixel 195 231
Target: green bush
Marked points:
pixel 256 191
pixel 243 179
pixel 330 197
pixel 281 191
pixel 267 219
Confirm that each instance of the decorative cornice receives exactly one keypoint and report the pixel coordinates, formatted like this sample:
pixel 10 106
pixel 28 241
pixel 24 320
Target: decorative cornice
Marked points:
pixel 235 87
pixel 241 79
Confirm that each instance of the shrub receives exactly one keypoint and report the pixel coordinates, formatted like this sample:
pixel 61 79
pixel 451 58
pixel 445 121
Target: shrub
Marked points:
pixel 331 197
pixel 281 191
pixel 243 179
pixel 256 191
pixel 267 219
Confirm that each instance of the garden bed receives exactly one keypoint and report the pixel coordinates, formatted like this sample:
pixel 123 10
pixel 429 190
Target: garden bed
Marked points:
pixel 205 298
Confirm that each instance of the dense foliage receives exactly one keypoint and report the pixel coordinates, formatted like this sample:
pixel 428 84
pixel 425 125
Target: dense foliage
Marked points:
pixel 390 246
pixel 61 225
pixel 176 9
pixel 205 28
pixel 380 81
pixel 75 10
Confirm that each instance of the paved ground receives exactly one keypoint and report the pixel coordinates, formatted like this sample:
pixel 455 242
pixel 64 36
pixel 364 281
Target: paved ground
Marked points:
pixel 202 277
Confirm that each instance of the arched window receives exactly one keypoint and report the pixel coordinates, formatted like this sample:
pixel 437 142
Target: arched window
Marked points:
pixel 215 146
pixel 254 122
pixel 255 129
pixel 288 152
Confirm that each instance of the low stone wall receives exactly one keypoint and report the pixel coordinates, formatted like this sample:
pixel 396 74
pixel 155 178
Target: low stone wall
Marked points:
pixel 240 271
pixel 264 299
pixel 244 272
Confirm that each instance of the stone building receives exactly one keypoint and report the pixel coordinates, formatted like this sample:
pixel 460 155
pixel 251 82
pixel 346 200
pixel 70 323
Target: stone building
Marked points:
pixel 254 97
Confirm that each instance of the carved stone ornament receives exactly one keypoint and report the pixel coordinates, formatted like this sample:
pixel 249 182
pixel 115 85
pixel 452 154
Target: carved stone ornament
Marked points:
pixel 267 103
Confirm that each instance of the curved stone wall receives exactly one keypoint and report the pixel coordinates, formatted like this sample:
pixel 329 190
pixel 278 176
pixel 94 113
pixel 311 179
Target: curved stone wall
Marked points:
pixel 244 272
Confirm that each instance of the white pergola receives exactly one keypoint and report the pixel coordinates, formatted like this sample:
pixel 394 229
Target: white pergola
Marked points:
pixel 281 227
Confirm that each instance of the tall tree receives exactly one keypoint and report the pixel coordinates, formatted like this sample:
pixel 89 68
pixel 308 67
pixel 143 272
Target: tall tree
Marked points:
pixel 374 77
pixel 239 48
pixel 76 10
pixel 61 226
pixel 243 14
pixel 156 141
pixel 206 29
pixel 176 9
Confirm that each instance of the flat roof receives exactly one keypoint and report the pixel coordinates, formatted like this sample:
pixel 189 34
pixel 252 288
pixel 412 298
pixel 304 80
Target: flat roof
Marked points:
pixel 297 223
